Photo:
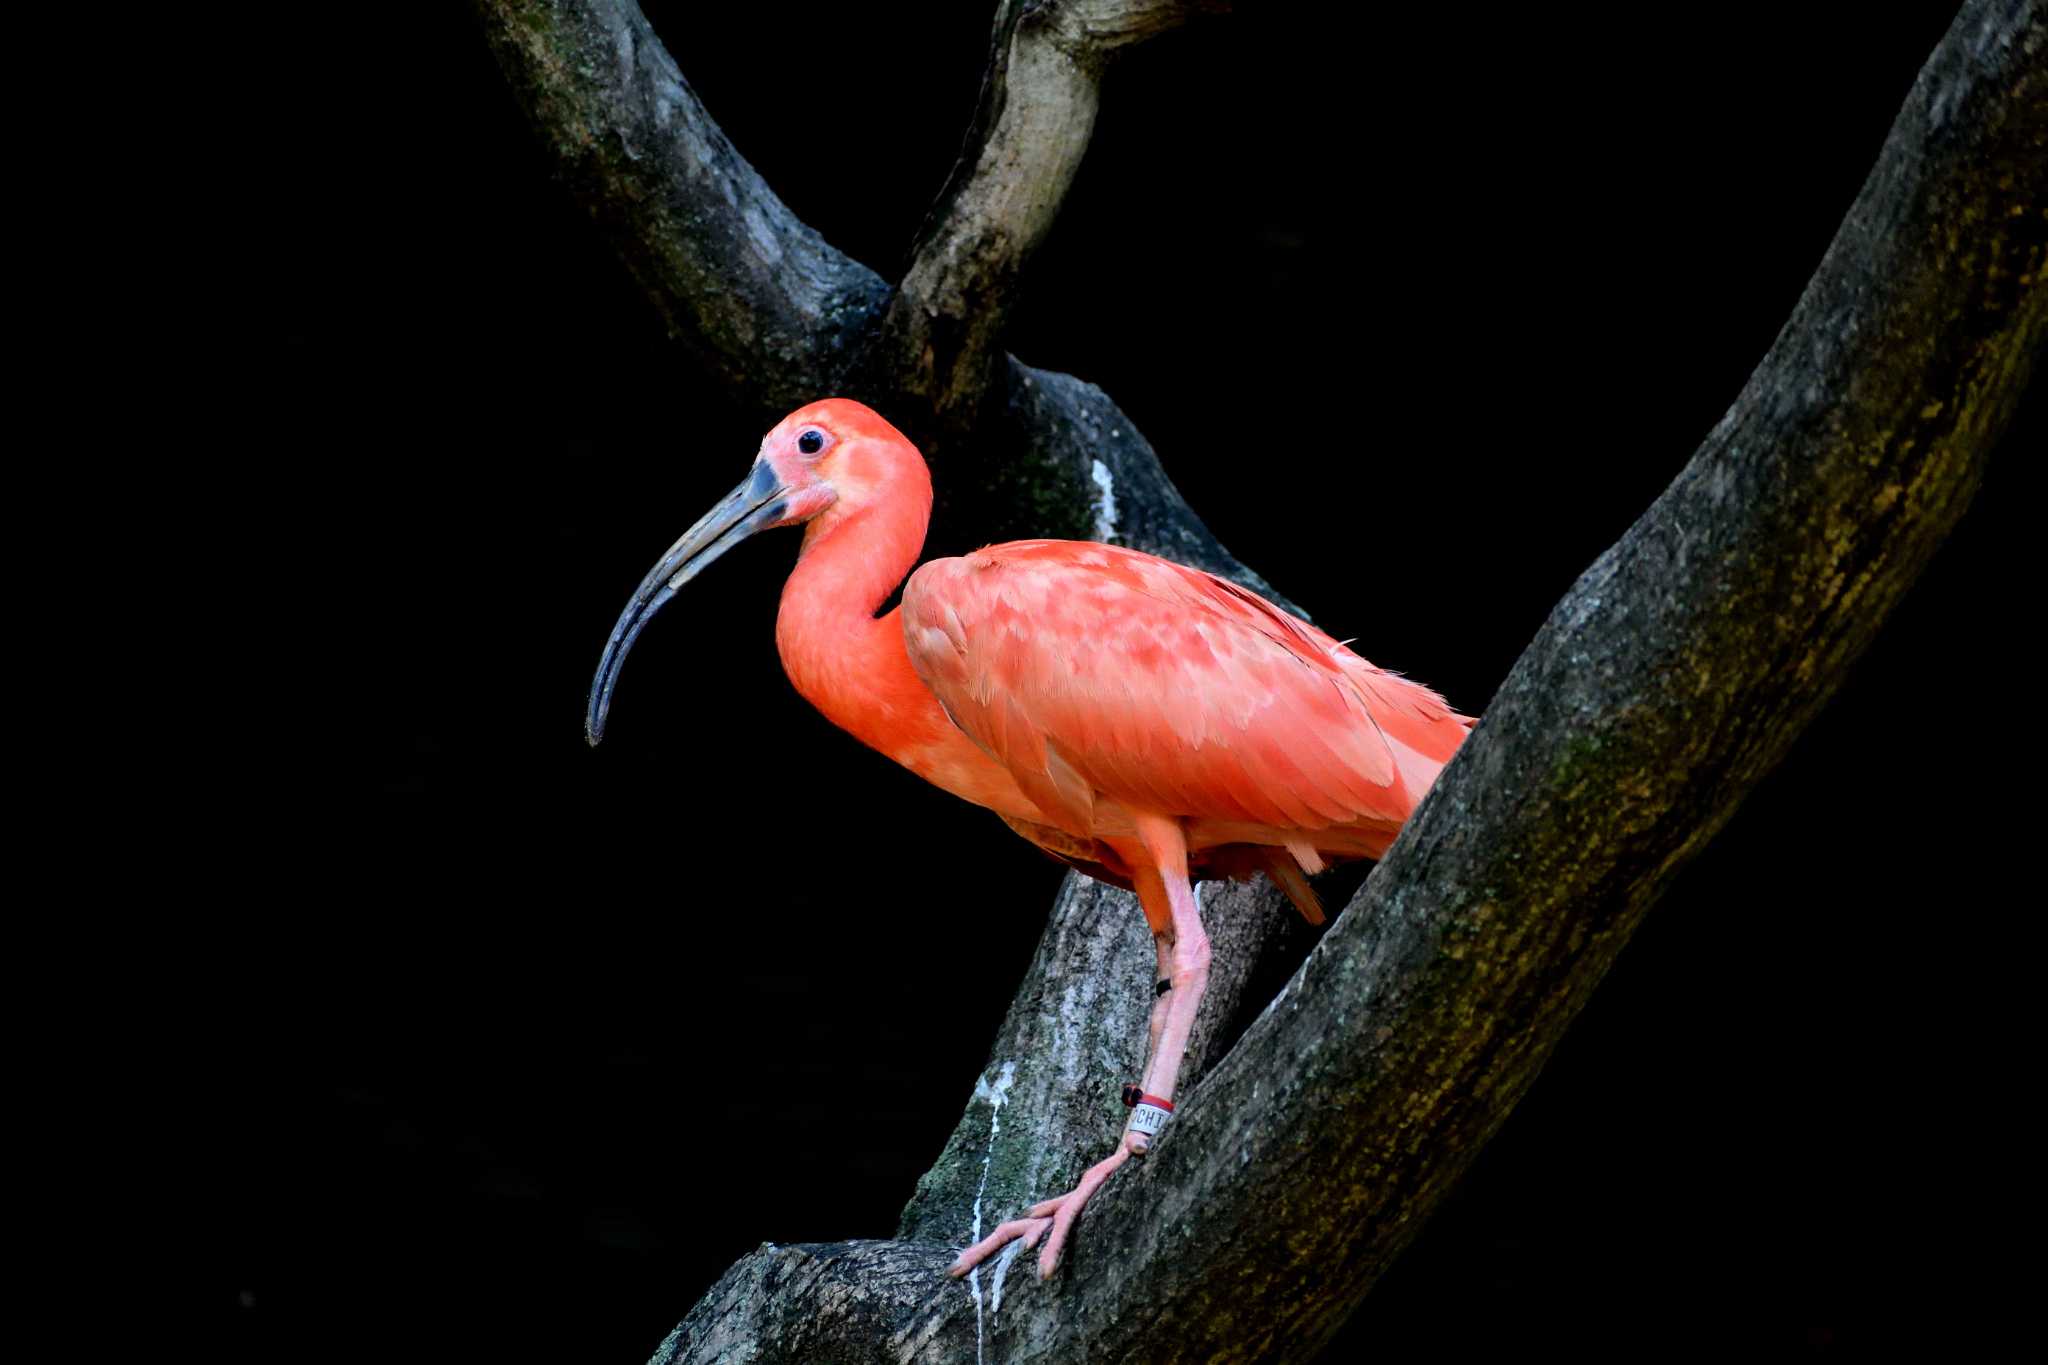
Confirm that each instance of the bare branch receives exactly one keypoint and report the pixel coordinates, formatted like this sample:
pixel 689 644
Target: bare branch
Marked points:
pixel 755 292
pixel 944 328
pixel 1669 680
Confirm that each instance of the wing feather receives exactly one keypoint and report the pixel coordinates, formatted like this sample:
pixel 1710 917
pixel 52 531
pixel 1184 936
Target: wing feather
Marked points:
pixel 1091 669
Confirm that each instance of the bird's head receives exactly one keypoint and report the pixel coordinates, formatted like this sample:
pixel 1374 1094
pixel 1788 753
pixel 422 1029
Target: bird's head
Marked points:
pixel 829 452
pixel 818 466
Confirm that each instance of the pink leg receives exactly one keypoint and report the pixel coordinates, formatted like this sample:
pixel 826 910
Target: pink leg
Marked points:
pixel 1163 1002
pixel 1183 961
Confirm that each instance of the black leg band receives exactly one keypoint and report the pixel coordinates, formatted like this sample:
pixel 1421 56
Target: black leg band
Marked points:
pixel 1165 985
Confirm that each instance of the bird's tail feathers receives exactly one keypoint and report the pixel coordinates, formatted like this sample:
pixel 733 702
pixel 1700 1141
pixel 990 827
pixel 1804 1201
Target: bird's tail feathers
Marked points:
pixel 1286 875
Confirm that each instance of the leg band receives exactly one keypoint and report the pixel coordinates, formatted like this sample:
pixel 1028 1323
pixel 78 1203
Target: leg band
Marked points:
pixel 1149 1115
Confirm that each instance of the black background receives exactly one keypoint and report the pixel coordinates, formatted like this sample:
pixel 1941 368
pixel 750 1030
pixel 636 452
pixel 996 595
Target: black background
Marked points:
pixel 513 1046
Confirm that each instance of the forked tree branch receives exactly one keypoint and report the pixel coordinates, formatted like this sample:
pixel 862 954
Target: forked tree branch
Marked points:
pixel 944 330
pixel 755 293
pixel 1666 683
pixel 783 317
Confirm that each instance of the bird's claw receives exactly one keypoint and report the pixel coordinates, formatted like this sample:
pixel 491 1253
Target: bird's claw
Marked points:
pixel 1052 1216
pixel 1027 1230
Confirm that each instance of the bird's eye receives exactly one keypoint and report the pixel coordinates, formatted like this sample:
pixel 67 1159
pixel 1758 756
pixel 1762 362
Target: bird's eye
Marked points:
pixel 811 442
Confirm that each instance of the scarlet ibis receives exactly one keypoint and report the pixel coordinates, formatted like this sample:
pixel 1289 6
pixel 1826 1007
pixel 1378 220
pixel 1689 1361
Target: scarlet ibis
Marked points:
pixel 1147 723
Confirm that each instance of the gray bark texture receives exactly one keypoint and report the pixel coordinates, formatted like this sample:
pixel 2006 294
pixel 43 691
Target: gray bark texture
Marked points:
pixel 1663 687
pixel 784 318
pixel 1037 112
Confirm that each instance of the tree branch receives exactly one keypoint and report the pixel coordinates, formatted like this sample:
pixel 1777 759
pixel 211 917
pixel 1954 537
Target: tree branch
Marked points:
pixel 944 328
pixel 1670 679
pixel 1056 434
pixel 1074 1034
pixel 755 293
pixel 784 318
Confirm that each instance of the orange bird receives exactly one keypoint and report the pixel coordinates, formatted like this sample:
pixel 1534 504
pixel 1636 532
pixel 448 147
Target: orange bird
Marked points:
pixel 1147 723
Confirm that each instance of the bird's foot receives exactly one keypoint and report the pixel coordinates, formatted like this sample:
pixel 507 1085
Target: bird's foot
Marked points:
pixel 1054 1216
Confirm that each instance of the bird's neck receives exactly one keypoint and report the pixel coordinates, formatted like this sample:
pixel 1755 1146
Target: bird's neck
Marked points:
pixel 846 662
pixel 852 665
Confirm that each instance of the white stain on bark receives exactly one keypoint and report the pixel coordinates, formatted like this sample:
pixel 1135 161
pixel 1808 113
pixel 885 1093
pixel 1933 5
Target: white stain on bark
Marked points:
pixel 995 1095
pixel 1105 502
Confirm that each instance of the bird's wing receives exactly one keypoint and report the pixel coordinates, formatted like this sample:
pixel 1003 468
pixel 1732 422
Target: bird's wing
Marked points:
pixel 1088 669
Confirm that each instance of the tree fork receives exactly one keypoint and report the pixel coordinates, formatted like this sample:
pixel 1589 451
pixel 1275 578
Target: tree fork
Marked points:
pixel 782 317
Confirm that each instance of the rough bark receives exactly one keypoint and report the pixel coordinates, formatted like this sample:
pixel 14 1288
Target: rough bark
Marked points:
pixel 1663 687
pixel 1059 1061
pixel 755 293
pixel 942 335
pixel 1061 459
pixel 783 317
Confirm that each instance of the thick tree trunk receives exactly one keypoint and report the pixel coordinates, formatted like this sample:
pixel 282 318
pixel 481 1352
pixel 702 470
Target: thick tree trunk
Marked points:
pixel 1663 687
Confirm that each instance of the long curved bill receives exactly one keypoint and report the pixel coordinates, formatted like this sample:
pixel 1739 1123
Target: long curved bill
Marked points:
pixel 749 508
